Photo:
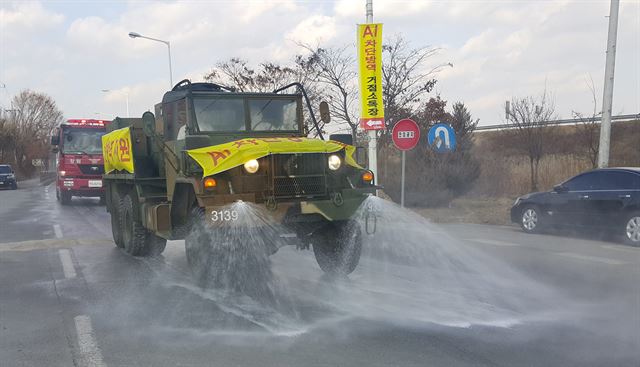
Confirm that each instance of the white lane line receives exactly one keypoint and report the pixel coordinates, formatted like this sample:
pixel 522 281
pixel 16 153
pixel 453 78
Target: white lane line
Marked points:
pixel 621 248
pixel 602 260
pixel 57 230
pixel 492 242
pixel 89 351
pixel 67 264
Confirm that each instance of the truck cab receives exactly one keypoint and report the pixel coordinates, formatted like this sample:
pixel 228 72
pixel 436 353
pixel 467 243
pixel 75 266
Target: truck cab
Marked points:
pixel 78 147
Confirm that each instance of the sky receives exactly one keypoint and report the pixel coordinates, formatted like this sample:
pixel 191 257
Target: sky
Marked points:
pixel 73 50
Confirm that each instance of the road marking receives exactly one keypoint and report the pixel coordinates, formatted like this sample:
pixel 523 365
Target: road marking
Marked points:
pixel 492 242
pixel 603 260
pixel 89 351
pixel 621 248
pixel 57 230
pixel 67 264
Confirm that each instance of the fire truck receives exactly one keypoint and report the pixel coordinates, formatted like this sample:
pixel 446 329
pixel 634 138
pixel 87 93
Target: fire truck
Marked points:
pixel 78 146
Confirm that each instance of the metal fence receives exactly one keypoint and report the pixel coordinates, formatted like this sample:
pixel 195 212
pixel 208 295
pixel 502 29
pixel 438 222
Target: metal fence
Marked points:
pixel 635 117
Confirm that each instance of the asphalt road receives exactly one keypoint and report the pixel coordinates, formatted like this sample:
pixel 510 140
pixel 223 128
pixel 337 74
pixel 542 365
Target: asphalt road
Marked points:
pixel 423 295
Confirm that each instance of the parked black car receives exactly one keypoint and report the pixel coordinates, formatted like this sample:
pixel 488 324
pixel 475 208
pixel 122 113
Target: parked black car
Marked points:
pixel 7 177
pixel 606 198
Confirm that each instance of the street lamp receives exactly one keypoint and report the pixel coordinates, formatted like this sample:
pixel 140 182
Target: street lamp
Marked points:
pixel 126 95
pixel 138 35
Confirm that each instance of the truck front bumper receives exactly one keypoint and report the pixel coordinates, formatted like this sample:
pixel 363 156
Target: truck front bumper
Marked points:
pixel 89 187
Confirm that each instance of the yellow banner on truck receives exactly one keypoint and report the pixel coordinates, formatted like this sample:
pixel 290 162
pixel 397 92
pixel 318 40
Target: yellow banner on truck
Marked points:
pixel 370 65
pixel 222 157
pixel 116 151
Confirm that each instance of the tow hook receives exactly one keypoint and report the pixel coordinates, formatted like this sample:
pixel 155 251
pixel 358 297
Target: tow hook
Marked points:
pixel 371 219
pixel 271 203
pixel 337 199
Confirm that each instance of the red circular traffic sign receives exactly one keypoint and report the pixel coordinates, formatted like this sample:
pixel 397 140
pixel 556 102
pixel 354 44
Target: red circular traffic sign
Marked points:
pixel 406 134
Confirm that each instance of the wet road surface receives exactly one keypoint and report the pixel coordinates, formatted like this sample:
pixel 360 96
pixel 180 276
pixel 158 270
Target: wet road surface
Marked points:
pixel 486 296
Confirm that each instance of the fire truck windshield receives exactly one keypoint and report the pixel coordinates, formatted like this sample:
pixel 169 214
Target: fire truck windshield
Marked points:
pixel 82 141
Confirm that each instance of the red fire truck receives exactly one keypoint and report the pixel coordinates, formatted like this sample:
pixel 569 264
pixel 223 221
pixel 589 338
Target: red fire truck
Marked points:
pixel 78 145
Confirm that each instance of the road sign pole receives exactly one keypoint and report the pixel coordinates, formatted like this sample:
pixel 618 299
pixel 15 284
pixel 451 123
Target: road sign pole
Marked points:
pixel 405 136
pixel 404 155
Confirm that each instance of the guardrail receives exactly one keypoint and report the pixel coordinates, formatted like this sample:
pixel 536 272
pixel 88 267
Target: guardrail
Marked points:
pixel 635 117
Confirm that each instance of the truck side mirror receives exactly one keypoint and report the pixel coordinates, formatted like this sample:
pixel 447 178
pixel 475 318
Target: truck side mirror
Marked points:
pixel 361 156
pixel 55 140
pixel 325 116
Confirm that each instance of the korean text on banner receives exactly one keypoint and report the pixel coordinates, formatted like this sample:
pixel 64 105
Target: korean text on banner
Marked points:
pixel 219 158
pixel 370 65
pixel 116 150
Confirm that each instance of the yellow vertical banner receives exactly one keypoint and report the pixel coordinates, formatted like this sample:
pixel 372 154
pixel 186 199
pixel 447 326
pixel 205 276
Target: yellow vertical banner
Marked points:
pixel 370 65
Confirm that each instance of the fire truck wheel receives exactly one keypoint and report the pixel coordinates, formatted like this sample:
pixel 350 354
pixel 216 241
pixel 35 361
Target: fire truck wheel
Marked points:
pixel 65 198
pixel 116 229
pixel 137 240
pixel 337 247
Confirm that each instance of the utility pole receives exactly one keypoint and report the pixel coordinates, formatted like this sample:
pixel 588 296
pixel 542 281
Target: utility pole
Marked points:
pixel 607 99
pixel 373 134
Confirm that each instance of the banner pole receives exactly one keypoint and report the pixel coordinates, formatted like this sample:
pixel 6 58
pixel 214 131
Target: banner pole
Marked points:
pixel 373 134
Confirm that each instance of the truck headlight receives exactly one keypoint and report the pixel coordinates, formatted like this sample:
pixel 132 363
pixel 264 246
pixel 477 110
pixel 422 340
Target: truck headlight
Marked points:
pixel 334 162
pixel 251 166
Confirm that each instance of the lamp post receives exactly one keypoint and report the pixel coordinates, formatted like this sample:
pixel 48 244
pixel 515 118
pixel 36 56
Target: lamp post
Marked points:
pixel 138 35
pixel 126 95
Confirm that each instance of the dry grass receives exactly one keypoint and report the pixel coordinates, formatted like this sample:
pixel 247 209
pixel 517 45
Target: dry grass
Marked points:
pixel 470 210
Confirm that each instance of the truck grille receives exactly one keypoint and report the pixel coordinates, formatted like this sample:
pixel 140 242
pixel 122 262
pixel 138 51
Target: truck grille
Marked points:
pixel 299 186
pixel 299 164
pixel 298 175
pixel 91 169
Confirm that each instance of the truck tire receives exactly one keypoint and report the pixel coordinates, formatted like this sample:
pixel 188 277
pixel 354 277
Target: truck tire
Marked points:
pixel 65 198
pixel 116 229
pixel 337 247
pixel 220 258
pixel 137 240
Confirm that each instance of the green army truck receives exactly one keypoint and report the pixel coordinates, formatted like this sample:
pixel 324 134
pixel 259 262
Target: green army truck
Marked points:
pixel 181 172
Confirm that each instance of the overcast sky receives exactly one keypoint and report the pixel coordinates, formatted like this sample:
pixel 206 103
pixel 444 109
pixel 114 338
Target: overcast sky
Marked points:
pixel 72 50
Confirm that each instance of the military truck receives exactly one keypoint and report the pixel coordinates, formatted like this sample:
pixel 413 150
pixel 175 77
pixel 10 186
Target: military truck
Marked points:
pixel 176 174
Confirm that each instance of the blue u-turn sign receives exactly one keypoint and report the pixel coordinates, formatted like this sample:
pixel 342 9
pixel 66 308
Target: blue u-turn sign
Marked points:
pixel 442 138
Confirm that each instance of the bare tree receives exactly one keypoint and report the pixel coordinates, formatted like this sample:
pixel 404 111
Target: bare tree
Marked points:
pixel 531 132
pixel 32 119
pixel 588 130
pixel 334 70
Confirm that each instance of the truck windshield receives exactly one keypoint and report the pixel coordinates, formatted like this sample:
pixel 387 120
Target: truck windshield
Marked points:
pixel 5 169
pixel 226 114
pixel 82 141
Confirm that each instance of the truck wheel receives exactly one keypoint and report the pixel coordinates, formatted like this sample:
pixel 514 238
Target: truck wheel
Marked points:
pixel 65 198
pixel 137 240
pixel 226 258
pixel 337 247
pixel 114 210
